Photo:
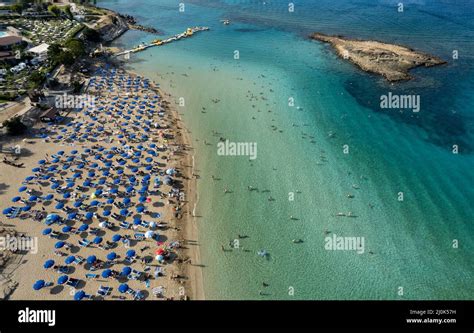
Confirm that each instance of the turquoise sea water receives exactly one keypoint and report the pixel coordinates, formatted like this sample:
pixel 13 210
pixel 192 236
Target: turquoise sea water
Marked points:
pixel 300 148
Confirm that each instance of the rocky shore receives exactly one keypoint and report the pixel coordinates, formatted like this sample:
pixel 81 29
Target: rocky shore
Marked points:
pixel 389 60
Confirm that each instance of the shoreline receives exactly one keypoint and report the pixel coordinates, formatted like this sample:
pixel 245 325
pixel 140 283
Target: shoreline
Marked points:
pixel 190 229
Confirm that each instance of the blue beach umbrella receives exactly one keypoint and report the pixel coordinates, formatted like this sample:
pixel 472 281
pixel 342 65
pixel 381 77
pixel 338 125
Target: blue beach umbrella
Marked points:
pixel 91 259
pixel 89 215
pixel 7 210
pixel 69 260
pixel 60 205
pixel 26 208
pixel 66 229
pixel 16 199
pixel 33 198
pixel 79 295
pixel 83 227
pixel 39 285
pixel 77 204
pixel 123 288
pixel 106 273
pixel 66 195
pixel 116 238
pixel 47 231
pixel 140 209
pixel 106 213
pixel 48 263
pixel 126 271
pixel 97 240
pixel 71 216
pixel 130 253
pixel 124 212
pixel 49 197
pixel 59 245
pixel 63 279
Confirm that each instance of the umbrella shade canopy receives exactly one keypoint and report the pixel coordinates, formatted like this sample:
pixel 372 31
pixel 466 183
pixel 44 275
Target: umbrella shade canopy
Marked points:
pixel 60 205
pixel 59 245
pixel 63 279
pixel 69 260
pixel 47 231
pixel 16 199
pixel 130 253
pixel 126 270
pixel 66 228
pixel 39 284
pixel 71 216
pixel 123 288
pixel 48 197
pixel 91 259
pixel 111 256
pixel 52 218
pixel 106 273
pixel 79 295
pixel 7 210
pixel 22 189
pixel 83 227
pixel 124 212
pixel 97 240
pixel 149 234
pixel 116 238
pixel 106 213
pixel 89 215
pixel 48 263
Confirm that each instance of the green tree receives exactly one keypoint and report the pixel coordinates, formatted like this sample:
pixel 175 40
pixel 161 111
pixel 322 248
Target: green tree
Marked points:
pixel 18 8
pixel 54 10
pixel 14 126
pixel 67 11
pixel 76 47
pixel 91 35
pixel 36 78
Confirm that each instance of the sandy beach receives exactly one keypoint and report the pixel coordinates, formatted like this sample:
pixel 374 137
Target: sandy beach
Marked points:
pixel 166 216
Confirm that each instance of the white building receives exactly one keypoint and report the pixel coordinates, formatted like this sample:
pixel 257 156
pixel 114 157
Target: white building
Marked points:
pixel 40 51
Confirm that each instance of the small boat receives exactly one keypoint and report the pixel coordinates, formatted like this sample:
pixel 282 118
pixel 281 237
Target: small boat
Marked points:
pixel 225 22
pixel 262 253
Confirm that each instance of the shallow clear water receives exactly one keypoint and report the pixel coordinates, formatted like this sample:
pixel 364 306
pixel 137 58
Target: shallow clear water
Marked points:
pixel 300 150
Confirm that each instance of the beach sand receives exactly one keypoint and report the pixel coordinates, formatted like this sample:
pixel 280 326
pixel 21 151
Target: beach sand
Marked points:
pixel 31 268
